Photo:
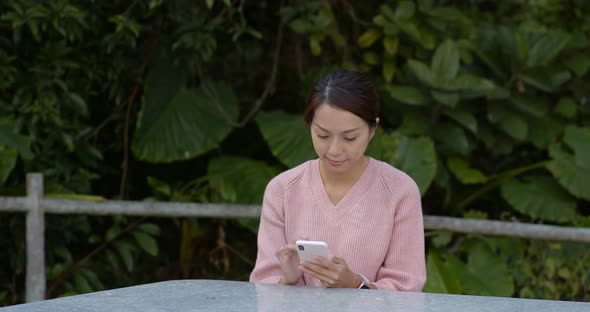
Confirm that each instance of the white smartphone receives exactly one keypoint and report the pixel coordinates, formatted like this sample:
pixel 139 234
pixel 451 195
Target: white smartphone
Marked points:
pixel 308 249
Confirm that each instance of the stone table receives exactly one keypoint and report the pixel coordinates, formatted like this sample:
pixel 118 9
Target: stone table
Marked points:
pixel 211 295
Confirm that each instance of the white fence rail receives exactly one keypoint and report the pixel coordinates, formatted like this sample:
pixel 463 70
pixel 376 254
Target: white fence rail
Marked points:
pixel 35 206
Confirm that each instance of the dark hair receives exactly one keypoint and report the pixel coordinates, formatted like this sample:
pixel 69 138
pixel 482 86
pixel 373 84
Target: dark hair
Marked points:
pixel 347 90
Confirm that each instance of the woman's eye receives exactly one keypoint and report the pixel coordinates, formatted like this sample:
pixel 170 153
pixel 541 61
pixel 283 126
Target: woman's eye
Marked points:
pixel 322 137
pixel 350 139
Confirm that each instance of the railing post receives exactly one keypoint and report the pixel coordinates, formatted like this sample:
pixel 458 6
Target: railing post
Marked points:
pixel 35 279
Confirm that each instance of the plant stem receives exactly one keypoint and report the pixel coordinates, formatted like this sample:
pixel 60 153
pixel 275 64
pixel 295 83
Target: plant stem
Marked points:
pixel 497 180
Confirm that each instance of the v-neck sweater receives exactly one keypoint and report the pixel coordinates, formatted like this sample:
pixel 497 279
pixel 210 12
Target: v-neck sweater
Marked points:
pixel 376 227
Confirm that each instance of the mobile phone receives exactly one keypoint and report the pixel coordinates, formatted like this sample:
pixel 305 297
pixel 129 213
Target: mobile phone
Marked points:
pixel 307 250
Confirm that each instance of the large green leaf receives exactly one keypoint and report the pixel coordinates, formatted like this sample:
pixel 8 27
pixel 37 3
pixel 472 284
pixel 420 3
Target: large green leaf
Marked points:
pixel 383 146
pixel 514 125
pixel 485 274
pixel 368 38
pixel 466 119
pixel 547 48
pixel 572 170
pixel 421 72
pixel 18 142
pixel 496 47
pixel 186 125
pixel 545 78
pixel 449 99
pixel 389 69
pixel 445 62
pixel 162 84
pixel 509 121
pixel 147 242
pixel 7 161
pixel 489 59
pixel 468 83
pixel 414 124
pixel 452 138
pixel 414 156
pixel 125 251
pixel 544 131
pixel 506 248
pixel 81 284
pixel 411 29
pixel 391 45
pixel 427 37
pixel 240 180
pixel 408 95
pixel 288 137
pixel 532 105
pixel 521 48
pixel 467 175
pixel 578 139
pixel 579 64
pixel 405 10
pixel 441 278
pixel 566 107
pixel 539 198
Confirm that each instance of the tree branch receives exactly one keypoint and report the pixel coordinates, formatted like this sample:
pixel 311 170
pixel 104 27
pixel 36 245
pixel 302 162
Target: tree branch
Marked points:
pixel 129 104
pixel 268 90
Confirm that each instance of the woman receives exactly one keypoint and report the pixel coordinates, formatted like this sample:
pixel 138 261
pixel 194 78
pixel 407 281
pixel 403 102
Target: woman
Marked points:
pixel 368 212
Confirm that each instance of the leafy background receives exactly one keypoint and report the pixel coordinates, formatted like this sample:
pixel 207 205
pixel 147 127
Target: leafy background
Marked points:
pixel 484 103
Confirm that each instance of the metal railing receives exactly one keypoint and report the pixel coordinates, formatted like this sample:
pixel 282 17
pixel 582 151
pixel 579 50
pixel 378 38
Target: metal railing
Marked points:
pixel 35 206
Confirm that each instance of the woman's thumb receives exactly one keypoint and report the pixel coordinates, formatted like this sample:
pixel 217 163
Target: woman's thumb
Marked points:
pixel 338 260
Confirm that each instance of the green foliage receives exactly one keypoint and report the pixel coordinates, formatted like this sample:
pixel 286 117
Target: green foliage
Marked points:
pixel 540 198
pixel 7 162
pixel 570 170
pixel 413 155
pixel 484 105
pixel 187 111
pixel 485 274
pixel 507 266
pixel 467 175
pixel 312 18
pixel 287 136
pixel 441 277
pixel 240 180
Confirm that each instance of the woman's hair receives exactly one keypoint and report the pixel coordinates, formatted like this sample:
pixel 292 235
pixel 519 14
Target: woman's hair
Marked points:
pixel 347 90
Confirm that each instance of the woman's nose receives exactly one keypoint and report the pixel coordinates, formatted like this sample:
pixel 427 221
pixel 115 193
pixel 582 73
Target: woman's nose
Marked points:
pixel 335 147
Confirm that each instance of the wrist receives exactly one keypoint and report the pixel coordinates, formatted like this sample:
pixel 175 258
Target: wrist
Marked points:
pixel 284 281
pixel 357 281
pixel 364 282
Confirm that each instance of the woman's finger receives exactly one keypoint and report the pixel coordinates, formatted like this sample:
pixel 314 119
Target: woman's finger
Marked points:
pixel 325 262
pixel 326 280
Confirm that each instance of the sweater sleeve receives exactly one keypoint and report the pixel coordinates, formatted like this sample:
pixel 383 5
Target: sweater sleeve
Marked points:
pixel 271 235
pixel 404 267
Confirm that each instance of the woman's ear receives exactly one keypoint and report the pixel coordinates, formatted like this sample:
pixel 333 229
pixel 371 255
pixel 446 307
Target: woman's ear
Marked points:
pixel 374 128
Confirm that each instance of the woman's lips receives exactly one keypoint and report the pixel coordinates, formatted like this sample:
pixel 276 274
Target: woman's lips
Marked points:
pixel 335 163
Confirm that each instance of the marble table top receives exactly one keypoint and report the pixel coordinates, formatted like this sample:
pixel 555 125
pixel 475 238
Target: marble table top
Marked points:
pixel 215 295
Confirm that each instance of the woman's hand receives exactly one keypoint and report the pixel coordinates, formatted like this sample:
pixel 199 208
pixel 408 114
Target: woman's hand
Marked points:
pixel 289 261
pixel 332 274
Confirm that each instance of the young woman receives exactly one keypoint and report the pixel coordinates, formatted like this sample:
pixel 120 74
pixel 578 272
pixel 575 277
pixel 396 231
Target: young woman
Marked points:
pixel 368 212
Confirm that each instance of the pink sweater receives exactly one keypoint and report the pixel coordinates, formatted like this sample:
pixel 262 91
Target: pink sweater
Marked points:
pixel 377 227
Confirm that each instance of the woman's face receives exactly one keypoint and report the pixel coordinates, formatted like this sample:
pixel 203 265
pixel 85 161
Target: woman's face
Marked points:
pixel 340 138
